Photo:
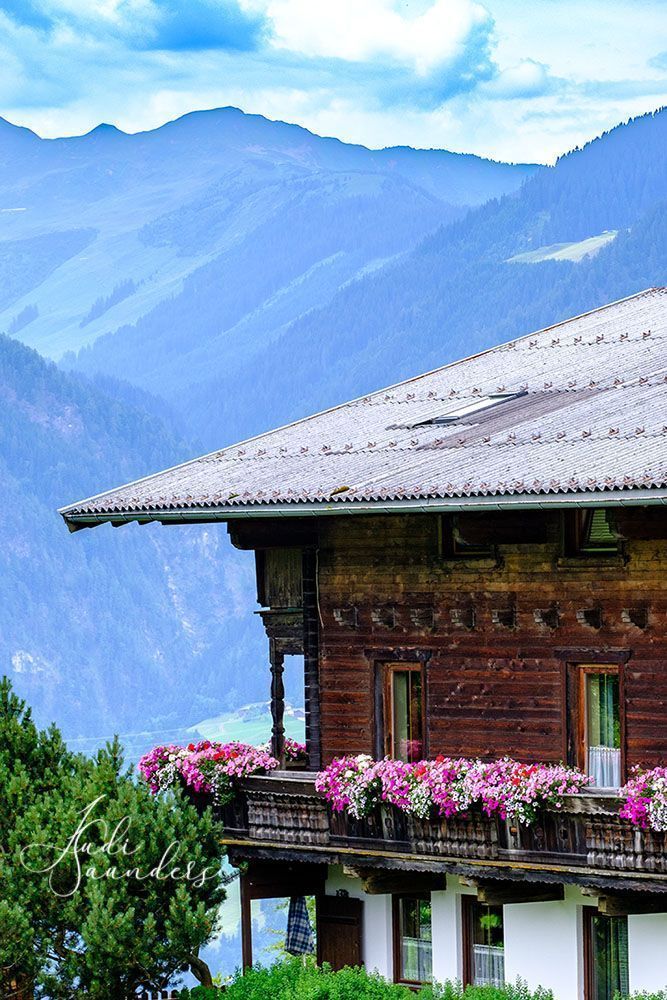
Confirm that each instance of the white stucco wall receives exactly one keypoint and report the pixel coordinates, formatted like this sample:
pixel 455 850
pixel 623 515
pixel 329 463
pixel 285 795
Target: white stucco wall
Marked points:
pixel 543 944
pixel 377 945
pixel 446 930
pixel 647 951
pixel 543 941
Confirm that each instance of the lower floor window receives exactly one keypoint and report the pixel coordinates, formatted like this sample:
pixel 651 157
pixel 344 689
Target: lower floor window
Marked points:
pixel 412 934
pixel 607 956
pixel 485 946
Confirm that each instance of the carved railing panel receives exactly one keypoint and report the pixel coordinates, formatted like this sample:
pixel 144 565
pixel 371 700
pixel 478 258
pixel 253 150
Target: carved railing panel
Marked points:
pixel 287 818
pixel 613 843
pixel 233 815
pixel 554 834
pixel 473 836
pixel 284 809
pixel 385 829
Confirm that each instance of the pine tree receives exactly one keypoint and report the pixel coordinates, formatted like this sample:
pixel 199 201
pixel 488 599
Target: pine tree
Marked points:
pixel 101 920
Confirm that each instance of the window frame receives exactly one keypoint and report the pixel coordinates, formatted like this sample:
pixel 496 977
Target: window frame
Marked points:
pixel 397 939
pixel 573 534
pixel 584 670
pixel 589 914
pixel 468 904
pixel 388 670
pixel 447 527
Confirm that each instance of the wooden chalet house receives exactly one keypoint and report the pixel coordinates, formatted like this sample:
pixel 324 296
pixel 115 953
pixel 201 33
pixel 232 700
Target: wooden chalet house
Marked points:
pixel 472 562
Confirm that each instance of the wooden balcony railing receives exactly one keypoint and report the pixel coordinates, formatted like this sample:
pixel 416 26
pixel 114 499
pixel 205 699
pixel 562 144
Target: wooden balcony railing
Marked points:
pixel 587 836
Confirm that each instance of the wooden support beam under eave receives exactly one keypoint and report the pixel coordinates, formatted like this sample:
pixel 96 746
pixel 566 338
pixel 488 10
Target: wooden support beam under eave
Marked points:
pixel 625 904
pixel 500 893
pixel 380 881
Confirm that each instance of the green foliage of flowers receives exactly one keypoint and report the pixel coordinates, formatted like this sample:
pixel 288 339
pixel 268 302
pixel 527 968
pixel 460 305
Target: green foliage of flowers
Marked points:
pixel 294 980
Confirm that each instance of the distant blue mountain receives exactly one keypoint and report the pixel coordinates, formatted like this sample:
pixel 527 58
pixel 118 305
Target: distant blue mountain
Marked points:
pixel 107 630
pixel 603 207
pixel 283 216
pixel 138 632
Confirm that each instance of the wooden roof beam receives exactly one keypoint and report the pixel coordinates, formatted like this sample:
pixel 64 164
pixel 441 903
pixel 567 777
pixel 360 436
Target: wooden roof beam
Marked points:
pixel 624 904
pixel 382 881
pixel 497 893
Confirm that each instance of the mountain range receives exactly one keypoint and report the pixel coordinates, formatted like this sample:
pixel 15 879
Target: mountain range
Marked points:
pixel 102 229
pixel 152 631
pixel 460 289
pixel 212 278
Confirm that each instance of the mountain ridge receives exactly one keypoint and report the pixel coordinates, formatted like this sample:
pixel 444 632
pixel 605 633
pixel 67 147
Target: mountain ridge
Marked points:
pixel 104 127
pixel 160 205
pixel 385 325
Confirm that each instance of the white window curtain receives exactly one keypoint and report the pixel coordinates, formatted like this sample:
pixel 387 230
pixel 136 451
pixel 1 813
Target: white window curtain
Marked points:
pixel 604 766
pixel 489 965
pixel 417 960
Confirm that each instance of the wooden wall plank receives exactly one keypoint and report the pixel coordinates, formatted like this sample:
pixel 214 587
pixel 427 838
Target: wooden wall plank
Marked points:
pixel 490 689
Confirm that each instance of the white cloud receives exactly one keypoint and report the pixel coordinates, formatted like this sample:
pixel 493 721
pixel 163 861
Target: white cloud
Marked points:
pixel 376 29
pixel 526 79
pixel 460 74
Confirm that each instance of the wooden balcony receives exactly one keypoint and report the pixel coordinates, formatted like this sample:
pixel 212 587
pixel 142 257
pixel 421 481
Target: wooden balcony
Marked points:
pixel 282 817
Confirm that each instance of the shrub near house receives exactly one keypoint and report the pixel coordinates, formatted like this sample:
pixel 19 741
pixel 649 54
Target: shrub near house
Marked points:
pixel 292 980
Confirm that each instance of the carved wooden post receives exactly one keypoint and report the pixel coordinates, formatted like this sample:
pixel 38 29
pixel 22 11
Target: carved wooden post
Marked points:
pixel 277 658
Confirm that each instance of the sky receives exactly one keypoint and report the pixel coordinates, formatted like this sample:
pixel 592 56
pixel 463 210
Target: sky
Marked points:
pixel 519 81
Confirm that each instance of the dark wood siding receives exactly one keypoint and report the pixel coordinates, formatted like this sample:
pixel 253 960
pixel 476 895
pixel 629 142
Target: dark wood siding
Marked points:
pixel 496 634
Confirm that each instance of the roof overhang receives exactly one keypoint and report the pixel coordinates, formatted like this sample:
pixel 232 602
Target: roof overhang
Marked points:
pixel 635 497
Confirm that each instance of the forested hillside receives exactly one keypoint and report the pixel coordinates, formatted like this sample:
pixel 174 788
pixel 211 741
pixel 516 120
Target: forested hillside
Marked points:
pixel 457 292
pixel 106 630
pixel 100 229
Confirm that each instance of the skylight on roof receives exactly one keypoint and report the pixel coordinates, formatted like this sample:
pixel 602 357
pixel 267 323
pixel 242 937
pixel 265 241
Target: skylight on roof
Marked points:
pixel 471 407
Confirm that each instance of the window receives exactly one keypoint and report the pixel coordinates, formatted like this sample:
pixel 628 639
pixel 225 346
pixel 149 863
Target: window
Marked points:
pixel 606 955
pixel 600 724
pixel 484 943
pixel 468 541
pixel 404 711
pixel 412 939
pixel 589 533
pixel 463 410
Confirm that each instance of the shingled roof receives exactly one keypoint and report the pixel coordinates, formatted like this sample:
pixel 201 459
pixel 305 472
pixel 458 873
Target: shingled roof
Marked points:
pixel 575 413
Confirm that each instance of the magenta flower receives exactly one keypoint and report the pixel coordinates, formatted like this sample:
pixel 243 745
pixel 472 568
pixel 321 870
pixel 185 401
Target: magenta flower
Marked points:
pixel 645 799
pixel 204 768
pixel 447 786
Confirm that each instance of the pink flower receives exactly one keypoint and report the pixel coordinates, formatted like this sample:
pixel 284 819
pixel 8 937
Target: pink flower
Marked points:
pixel 204 767
pixel 645 799
pixel 448 786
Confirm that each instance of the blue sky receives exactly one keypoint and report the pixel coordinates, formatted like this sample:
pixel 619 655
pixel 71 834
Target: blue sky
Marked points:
pixel 507 79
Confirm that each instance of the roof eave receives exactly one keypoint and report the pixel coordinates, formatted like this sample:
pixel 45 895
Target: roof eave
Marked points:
pixel 520 501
